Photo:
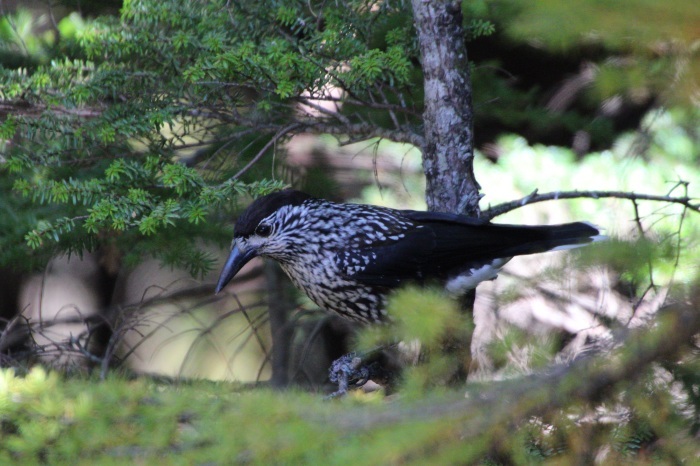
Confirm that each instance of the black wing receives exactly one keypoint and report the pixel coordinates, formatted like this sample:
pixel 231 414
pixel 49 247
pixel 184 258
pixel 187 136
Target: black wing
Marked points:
pixel 440 245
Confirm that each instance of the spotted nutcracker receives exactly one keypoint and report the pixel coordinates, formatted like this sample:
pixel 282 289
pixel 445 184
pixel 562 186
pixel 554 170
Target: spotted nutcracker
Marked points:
pixel 348 257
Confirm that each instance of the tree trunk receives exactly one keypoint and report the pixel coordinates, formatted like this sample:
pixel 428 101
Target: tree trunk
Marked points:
pixel 448 152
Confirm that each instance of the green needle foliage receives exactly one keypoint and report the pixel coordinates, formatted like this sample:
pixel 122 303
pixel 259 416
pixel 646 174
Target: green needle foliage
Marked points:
pixel 144 130
pixel 122 127
pixel 111 140
pixel 611 408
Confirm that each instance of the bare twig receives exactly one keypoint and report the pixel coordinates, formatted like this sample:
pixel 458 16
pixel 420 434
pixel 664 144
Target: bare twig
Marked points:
pixel 24 108
pixel 309 102
pixel 365 131
pixel 74 343
pixel 15 331
pixel 534 197
pixel 279 135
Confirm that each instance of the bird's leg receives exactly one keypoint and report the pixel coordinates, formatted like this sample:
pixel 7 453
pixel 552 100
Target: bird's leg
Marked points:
pixel 346 371
pixel 354 370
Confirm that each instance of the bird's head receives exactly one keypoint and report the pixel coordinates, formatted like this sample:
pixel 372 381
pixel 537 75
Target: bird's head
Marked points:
pixel 262 230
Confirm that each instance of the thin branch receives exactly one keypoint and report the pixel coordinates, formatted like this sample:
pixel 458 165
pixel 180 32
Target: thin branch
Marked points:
pixel 27 109
pixel 384 106
pixel 534 197
pixel 366 131
pixel 319 108
pixel 280 134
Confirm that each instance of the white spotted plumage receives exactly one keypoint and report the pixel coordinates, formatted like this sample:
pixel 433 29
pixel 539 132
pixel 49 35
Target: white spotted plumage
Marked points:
pixel 348 257
pixel 319 267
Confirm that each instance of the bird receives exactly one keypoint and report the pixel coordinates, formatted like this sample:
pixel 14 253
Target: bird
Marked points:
pixel 348 258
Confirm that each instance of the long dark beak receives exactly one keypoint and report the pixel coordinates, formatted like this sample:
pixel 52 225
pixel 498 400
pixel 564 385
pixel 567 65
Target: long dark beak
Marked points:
pixel 235 262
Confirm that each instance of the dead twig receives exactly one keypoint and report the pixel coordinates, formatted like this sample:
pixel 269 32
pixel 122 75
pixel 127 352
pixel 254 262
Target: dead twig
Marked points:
pixel 534 197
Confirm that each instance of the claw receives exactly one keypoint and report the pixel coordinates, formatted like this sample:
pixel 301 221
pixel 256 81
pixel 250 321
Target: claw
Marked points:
pixel 348 372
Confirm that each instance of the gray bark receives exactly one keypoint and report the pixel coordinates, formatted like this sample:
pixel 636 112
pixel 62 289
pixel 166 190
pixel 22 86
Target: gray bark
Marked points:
pixel 448 150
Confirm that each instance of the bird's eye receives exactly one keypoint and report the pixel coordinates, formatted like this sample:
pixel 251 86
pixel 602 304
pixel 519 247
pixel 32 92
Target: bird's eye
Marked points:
pixel 263 230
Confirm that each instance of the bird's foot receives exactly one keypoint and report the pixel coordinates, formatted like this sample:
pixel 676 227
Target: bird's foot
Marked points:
pixel 349 372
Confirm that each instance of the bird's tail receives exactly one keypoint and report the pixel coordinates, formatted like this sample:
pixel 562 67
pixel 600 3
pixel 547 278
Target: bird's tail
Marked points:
pixel 574 235
pixel 556 237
